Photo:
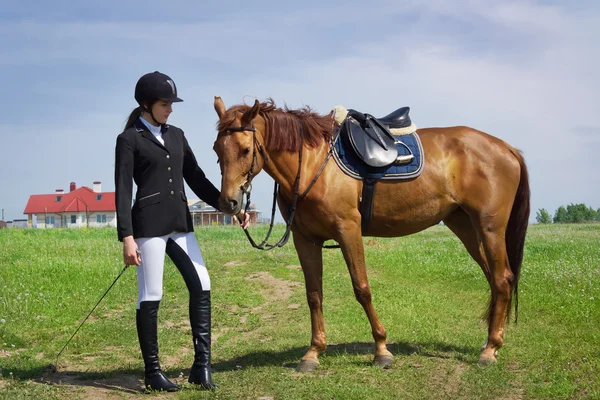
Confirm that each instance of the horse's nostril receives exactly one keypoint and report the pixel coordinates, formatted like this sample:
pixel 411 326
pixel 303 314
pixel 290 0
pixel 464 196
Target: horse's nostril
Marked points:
pixel 233 204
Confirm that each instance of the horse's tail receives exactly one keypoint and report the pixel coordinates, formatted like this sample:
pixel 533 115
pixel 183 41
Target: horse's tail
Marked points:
pixel 516 230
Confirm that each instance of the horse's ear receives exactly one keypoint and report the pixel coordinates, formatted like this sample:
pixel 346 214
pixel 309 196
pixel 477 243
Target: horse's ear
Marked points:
pixel 219 106
pixel 249 115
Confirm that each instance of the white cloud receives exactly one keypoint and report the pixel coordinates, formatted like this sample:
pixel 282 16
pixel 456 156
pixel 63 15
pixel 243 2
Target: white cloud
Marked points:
pixel 522 71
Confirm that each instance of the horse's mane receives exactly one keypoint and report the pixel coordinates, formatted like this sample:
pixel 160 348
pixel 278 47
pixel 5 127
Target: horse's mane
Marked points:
pixel 285 127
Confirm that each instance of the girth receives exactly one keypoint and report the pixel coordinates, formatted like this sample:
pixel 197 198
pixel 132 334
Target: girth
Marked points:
pixel 366 202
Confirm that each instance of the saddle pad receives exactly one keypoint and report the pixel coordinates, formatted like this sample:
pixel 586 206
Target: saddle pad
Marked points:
pixel 351 164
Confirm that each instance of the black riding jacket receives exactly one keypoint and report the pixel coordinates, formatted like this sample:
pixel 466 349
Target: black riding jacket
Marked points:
pixel 158 170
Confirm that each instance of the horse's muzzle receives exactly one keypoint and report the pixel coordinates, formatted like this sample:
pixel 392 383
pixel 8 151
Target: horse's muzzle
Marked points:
pixel 231 205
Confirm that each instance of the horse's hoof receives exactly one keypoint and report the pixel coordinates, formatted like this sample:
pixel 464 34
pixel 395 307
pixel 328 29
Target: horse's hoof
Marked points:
pixel 383 361
pixel 486 361
pixel 307 365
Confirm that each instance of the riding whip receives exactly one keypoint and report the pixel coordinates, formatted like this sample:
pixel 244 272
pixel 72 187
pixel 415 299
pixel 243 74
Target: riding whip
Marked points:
pixel 90 313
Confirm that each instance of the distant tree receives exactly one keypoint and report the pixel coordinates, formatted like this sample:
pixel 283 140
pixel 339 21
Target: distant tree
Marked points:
pixel 595 214
pixel 581 213
pixel 561 216
pixel 576 213
pixel 543 216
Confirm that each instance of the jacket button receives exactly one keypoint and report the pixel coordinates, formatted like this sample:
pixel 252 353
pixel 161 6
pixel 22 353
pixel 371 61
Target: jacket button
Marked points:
pixel 168 169
pixel 172 192
pixel 170 180
pixel 168 156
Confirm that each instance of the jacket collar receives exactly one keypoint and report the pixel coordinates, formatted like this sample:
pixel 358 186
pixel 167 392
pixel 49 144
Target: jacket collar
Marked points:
pixel 141 128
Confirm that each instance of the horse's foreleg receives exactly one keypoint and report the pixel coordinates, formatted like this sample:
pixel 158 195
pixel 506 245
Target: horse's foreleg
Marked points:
pixel 311 259
pixel 352 247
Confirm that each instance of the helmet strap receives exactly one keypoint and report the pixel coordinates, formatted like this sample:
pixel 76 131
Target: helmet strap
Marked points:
pixel 149 111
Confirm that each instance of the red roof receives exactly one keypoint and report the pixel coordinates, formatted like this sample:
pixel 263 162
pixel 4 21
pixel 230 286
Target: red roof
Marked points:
pixel 71 202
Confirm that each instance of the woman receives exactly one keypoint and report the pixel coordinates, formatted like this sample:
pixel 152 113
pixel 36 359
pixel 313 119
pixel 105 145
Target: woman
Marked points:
pixel 158 158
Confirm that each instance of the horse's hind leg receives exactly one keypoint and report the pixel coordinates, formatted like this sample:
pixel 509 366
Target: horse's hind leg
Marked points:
pixel 311 259
pixel 460 223
pixel 501 284
pixel 350 241
pixel 484 240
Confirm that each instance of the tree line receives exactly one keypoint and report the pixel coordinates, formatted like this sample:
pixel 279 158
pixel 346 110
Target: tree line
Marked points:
pixel 571 214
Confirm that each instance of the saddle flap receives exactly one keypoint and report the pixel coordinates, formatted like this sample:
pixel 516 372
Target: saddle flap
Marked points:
pixel 371 141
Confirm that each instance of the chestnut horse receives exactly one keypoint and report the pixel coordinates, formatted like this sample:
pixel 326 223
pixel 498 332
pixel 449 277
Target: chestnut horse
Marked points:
pixel 475 183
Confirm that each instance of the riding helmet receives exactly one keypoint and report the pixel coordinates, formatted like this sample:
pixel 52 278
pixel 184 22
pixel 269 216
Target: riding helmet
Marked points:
pixel 155 86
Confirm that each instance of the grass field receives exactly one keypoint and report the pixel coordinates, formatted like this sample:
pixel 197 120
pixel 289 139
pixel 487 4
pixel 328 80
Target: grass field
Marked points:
pixel 429 295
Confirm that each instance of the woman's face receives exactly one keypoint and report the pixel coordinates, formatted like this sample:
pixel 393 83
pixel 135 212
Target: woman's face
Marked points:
pixel 161 111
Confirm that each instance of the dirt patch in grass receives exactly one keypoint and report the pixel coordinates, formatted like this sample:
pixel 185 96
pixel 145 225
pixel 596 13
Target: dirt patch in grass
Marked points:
pixel 86 362
pixel 8 353
pixel 235 263
pixel 183 325
pixel 114 313
pixel 517 394
pixel 453 380
pixel 216 334
pixel 447 377
pixel 181 357
pixel 92 318
pixel 124 386
pixel 274 289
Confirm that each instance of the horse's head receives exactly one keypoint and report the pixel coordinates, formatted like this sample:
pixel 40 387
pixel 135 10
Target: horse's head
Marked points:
pixel 240 152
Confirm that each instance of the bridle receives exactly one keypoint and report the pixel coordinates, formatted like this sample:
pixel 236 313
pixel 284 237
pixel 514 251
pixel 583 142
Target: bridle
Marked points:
pixel 246 188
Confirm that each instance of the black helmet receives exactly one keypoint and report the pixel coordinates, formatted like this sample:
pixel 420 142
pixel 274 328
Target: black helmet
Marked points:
pixel 155 86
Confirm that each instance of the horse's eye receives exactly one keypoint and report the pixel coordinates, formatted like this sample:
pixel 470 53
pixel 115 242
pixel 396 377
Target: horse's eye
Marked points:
pixel 218 160
pixel 247 150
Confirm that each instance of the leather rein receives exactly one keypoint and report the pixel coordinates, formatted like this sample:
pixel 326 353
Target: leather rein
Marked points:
pixel 247 189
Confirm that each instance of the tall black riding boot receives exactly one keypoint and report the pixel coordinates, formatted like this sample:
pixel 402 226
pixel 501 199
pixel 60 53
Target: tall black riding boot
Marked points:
pixel 146 320
pixel 201 373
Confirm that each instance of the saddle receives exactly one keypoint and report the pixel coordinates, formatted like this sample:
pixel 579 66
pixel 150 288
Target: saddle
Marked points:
pixel 397 119
pixel 373 141
pixel 371 138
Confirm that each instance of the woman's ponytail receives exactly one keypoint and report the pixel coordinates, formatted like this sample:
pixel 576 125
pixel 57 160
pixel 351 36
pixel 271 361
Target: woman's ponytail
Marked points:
pixel 135 114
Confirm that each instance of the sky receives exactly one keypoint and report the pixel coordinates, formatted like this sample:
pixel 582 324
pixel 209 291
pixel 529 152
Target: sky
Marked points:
pixel 524 71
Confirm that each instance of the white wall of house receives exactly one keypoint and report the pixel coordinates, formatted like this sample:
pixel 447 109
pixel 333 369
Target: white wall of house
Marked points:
pixel 108 218
pixel 65 220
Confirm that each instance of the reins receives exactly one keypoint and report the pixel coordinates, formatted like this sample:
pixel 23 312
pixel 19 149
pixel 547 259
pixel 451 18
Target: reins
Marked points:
pixel 247 189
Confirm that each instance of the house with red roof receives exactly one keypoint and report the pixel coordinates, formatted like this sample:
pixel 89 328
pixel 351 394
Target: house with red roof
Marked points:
pixel 78 208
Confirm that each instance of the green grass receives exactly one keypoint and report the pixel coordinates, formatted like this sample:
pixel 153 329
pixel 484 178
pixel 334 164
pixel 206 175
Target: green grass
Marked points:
pixel 429 295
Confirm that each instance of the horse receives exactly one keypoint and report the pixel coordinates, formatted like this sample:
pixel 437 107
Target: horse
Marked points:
pixel 477 184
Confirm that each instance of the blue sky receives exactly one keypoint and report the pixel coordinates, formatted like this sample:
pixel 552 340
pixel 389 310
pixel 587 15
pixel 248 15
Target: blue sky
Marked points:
pixel 524 71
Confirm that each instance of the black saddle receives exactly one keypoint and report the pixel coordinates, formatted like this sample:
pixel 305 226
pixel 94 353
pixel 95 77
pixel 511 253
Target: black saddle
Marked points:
pixel 371 139
pixel 397 119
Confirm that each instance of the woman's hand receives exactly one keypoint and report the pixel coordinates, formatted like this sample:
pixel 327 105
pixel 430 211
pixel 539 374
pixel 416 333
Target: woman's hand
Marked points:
pixel 131 253
pixel 244 219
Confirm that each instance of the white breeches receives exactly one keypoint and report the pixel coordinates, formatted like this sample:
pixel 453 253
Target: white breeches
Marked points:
pixel 183 250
